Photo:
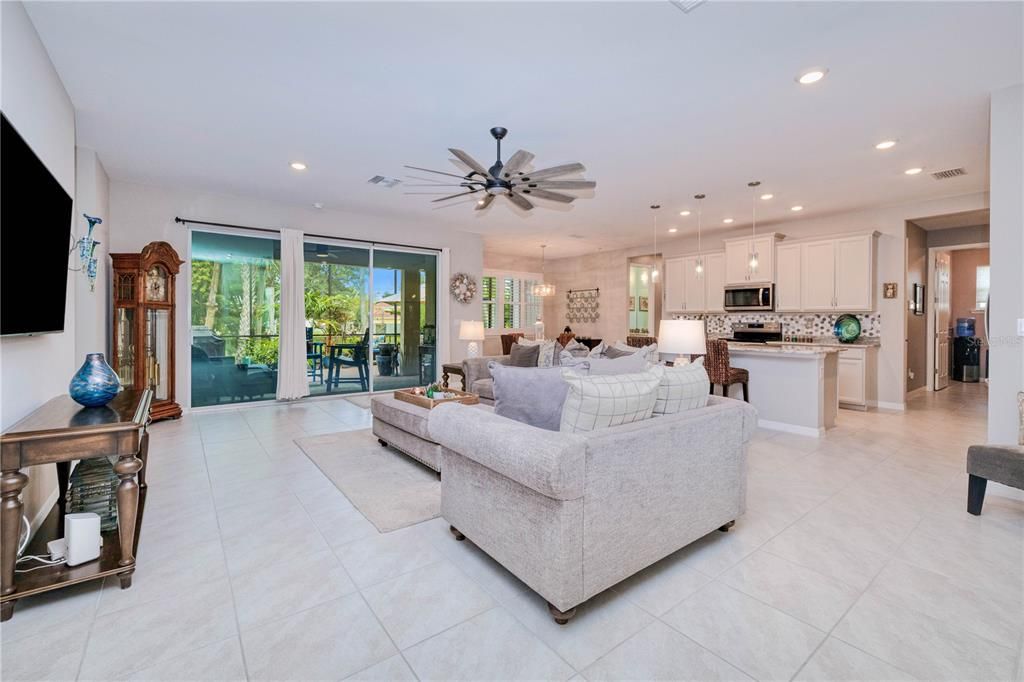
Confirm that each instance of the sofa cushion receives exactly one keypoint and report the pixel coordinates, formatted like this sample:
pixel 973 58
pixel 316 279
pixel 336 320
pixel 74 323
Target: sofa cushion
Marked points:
pixel 627 364
pixel 483 388
pixel 547 356
pixel 685 387
pixel 612 352
pixel 531 395
pixel 523 355
pixel 598 402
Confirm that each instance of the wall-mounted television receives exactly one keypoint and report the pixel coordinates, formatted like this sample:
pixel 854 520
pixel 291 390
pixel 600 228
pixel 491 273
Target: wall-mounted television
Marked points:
pixel 35 238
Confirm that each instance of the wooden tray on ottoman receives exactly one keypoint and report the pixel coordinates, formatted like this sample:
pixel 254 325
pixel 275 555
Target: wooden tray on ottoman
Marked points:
pixel 420 400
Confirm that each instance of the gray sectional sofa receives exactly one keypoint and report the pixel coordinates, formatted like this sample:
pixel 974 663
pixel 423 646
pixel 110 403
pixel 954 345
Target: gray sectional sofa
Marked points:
pixel 476 378
pixel 571 514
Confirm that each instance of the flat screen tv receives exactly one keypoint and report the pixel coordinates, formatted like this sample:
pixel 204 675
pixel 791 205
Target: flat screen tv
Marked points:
pixel 35 237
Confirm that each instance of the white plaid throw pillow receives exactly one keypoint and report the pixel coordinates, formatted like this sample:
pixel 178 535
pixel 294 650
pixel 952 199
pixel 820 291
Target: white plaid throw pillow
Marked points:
pixel 684 387
pixel 599 401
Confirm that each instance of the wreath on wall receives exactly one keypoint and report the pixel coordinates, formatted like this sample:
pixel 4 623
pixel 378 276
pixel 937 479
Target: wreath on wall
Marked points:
pixel 463 287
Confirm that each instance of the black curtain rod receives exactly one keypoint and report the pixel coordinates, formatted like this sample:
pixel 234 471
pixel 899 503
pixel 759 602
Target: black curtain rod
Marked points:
pixel 187 221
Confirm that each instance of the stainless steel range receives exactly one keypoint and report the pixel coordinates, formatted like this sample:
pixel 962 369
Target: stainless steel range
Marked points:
pixel 756 332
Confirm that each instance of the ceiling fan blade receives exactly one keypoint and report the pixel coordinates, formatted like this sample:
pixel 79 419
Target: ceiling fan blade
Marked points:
pixel 554 171
pixel 519 201
pixel 485 202
pixel 460 177
pixel 439 184
pixel 550 196
pixel 469 161
pixel 515 162
pixel 559 184
pixel 452 196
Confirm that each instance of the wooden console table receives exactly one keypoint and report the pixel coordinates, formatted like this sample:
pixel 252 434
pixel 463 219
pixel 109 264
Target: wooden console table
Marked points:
pixel 449 369
pixel 60 432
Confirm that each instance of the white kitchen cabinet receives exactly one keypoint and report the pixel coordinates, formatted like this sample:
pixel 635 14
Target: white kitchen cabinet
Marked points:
pixel 695 292
pixel 737 259
pixel 858 369
pixel 674 285
pixel 855 273
pixel 714 276
pixel 818 276
pixel 788 263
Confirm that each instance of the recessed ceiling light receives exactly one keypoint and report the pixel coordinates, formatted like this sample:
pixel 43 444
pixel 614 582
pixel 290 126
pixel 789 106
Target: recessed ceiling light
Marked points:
pixel 727 220
pixel 684 213
pixel 480 202
pixel 811 76
pixel 673 230
pixel 766 197
pixel 798 207
pixel 913 171
pixel 298 165
pixel 886 144
pixel 317 205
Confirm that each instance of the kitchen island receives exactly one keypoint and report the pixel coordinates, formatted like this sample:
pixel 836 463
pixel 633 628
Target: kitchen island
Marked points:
pixel 794 388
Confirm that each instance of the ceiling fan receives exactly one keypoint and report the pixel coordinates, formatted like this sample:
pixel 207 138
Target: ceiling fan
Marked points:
pixel 509 179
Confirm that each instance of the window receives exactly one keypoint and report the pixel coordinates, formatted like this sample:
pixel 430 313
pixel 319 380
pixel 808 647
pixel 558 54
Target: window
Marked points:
pixel 509 303
pixel 981 284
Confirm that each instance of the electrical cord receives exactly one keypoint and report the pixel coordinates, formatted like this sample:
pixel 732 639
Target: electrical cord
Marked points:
pixel 47 562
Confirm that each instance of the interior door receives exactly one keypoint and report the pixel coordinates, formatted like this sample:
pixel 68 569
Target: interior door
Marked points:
pixel 941 308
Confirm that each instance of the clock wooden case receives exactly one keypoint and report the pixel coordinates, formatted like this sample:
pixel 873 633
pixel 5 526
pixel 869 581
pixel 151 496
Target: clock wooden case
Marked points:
pixel 143 345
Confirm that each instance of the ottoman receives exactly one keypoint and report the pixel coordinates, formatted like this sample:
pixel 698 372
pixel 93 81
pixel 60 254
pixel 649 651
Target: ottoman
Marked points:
pixel 403 426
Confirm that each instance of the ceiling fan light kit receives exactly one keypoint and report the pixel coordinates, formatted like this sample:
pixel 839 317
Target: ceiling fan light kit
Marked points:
pixel 510 180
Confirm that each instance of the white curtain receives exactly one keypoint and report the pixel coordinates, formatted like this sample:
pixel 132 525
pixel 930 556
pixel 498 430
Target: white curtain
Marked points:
pixel 292 381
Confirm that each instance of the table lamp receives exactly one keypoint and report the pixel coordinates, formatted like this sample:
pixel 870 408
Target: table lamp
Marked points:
pixel 472 331
pixel 684 338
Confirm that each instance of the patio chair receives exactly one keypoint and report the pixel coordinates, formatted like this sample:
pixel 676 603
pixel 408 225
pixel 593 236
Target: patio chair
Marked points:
pixel 314 358
pixel 359 358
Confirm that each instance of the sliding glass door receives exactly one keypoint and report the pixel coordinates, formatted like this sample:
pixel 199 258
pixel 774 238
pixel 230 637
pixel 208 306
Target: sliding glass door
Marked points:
pixel 404 318
pixel 338 354
pixel 236 303
pixel 371 317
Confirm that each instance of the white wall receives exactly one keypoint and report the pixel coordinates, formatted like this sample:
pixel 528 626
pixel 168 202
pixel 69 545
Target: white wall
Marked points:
pixel 141 214
pixel 608 270
pixel 1006 242
pixel 37 368
pixel 92 321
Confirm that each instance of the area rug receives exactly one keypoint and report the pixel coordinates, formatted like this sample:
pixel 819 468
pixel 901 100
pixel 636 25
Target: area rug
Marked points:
pixel 390 489
pixel 362 401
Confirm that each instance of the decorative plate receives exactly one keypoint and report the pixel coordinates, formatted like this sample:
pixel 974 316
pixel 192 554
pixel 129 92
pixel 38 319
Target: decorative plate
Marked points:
pixel 846 328
pixel 463 287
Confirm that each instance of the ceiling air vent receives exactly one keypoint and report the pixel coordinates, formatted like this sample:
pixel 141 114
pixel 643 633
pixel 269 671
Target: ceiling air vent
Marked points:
pixel 687 6
pixel 948 173
pixel 383 180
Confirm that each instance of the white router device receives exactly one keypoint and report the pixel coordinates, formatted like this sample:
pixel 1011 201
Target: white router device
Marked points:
pixel 82 538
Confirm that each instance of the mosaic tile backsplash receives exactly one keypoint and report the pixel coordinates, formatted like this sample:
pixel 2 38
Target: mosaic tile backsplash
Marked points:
pixel 811 324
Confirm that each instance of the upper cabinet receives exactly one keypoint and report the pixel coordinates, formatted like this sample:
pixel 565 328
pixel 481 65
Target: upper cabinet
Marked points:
pixel 688 291
pixel 787 278
pixel 834 275
pixel 739 253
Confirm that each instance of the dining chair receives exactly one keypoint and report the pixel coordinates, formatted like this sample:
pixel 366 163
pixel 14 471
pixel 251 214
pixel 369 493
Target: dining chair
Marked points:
pixel 719 372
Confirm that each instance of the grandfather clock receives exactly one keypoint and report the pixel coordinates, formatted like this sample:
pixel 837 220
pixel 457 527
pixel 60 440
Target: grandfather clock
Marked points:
pixel 143 352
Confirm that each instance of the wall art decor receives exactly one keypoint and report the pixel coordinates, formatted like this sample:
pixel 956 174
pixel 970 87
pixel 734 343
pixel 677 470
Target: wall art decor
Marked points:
pixel 889 290
pixel 463 287
pixel 87 251
pixel 582 305
pixel 643 304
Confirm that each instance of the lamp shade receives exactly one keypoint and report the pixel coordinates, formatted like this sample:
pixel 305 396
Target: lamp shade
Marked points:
pixel 471 330
pixel 682 337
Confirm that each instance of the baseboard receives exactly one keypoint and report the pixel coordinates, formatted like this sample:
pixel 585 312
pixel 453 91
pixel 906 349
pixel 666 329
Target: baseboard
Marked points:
pixel 791 428
pixel 899 407
pixel 919 389
pixel 43 512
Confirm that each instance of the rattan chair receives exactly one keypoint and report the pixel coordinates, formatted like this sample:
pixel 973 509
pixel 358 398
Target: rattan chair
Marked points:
pixel 719 372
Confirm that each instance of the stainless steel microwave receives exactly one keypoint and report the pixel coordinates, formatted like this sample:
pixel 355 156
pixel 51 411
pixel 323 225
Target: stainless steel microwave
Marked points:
pixel 744 297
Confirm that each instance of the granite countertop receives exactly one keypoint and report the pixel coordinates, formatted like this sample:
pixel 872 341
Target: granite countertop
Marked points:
pixel 783 349
pixel 863 342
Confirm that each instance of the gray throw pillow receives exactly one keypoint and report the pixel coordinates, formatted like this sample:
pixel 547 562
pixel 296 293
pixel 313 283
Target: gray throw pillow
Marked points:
pixel 523 356
pixel 628 364
pixel 613 352
pixel 531 395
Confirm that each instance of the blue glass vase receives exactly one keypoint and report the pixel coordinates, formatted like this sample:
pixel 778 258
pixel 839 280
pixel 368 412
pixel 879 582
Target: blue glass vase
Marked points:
pixel 95 383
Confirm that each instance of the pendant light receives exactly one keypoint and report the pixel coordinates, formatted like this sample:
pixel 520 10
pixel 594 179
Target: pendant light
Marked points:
pixel 699 268
pixel 654 270
pixel 543 289
pixel 753 185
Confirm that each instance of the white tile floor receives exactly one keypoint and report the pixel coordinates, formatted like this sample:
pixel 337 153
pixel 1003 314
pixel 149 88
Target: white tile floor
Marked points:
pixel 857 560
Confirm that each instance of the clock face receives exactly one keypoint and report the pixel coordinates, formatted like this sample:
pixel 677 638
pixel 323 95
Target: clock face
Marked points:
pixel 156 284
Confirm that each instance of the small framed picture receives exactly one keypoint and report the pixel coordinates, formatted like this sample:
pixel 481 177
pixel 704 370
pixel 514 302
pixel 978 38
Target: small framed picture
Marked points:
pixel 889 289
pixel 632 303
pixel 643 304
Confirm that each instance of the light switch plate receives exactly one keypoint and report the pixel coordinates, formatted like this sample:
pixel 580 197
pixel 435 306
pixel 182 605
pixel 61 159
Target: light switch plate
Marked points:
pixel 1020 326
